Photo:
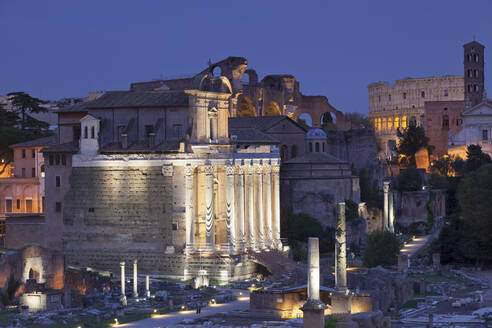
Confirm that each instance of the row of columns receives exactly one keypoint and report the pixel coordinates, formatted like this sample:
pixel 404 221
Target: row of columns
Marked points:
pixel 388 208
pixel 261 215
pixel 135 280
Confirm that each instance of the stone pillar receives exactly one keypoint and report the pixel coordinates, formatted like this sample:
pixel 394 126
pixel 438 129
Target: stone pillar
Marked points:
pixel 259 206
pixel 267 186
pixel 189 208
pixel 135 279
pixel 230 208
pixel 385 205
pixel 402 262
pixel 436 261
pixel 341 250
pixel 313 308
pixel 250 210
pixel 240 209
pixel 147 286
pixel 210 214
pixel 122 266
pixel 276 205
pixel 391 213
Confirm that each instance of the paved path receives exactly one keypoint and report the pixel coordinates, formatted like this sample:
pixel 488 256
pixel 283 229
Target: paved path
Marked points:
pixel 486 276
pixel 174 318
pixel 415 245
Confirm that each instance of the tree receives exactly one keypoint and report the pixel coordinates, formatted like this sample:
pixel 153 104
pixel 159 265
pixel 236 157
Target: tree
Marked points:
pixel 357 120
pixel 7 295
pixel 475 197
pixel 447 165
pixel 410 141
pixel 410 180
pixel 273 109
pixel 246 108
pixel 23 104
pixel 382 249
pixel 475 158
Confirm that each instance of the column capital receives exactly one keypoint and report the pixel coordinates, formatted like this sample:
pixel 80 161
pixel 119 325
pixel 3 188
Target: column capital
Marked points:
pixel 275 168
pixel 135 261
pixel 258 168
pixel 167 170
pixel 240 169
pixel 209 169
pixel 386 186
pixel 188 170
pixel 122 264
pixel 230 169
pixel 268 169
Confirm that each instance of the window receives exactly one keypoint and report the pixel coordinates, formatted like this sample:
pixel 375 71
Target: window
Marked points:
pixel 23 172
pixel 459 122
pixel 422 94
pixel 63 159
pixel 57 159
pixel 51 159
pixel 323 147
pixel 485 135
pixel 389 97
pixel 476 73
pixel 397 122
pixel 86 132
pixel 469 57
pixel 379 98
pixel 42 204
pixel 76 132
pixel 469 87
pixel 178 130
pixel 476 58
pixel 93 132
pixel 445 108
pixel 58 207
pixel 8 205
pixel 446 93
pixel 18 204
pixel 476 88
pixel 23 153
pixel 57 181
pixel 33 172
pixel 91 209
pixel 404 95
pixel 284 153
pixel 310 147
pixel 175 226
pixel 33 153
pixel 148 130
pixel 404 122
pixel 445 122
pixel 390 123
pixel 470 73
pixel 316 146
pixel 29 205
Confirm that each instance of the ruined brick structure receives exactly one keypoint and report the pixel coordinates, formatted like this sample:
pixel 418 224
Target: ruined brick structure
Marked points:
pixel 283 91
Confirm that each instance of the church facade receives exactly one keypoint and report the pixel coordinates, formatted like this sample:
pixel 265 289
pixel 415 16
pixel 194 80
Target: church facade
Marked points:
pixel 155 176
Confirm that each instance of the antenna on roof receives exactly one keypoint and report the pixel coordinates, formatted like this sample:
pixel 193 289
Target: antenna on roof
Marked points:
pixel 209 63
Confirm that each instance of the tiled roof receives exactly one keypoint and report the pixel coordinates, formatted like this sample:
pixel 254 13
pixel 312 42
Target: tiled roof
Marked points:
pixel 315 158
pixel 46 141
pixel 68 147
pixel 129 99
pixel 141 146
pixel 261 123
pixel 251 135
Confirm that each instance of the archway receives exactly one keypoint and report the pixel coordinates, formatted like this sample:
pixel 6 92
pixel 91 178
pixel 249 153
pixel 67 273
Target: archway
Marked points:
pixel 305 119
pixel 246 108
pixel 273 109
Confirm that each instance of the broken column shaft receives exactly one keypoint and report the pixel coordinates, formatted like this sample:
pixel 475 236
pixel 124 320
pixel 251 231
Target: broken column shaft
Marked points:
pixel 122 266
pixel 341 250
pixel 135 279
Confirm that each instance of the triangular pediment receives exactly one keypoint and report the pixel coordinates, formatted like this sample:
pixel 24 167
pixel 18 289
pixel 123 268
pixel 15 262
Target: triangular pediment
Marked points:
pixel 484 108
pixel 88 118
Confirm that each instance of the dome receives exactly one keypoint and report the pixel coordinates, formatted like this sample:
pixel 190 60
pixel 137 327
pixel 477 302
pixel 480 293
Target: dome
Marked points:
pixel 315 134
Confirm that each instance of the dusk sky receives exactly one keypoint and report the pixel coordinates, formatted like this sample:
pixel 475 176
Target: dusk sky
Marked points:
pixel 57 49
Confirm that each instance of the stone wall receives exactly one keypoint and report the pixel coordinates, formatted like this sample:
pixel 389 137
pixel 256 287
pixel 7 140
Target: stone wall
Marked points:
pixel 358 147
pixel 114 214
pixel 23 230
pixel 413 206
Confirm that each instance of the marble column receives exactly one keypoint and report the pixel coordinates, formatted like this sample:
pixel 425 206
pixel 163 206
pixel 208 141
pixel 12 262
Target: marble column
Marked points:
pixel 313 308
pixel 341 250
pixel 267 186
pixel 122 266
pixel 189 208
pixel 209 201
pixel 240 208
pixel 391 212
pixel 147 286
pixel 135 279
pixel 230 208
pixel 385 205
pixel 276 205
pixel 260 224
pixel 252 238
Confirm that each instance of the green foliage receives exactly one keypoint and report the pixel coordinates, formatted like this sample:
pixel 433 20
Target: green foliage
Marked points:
pixel 299 227
pixel 331 322
pixel 23 104
pixel 299 253
pixel 410 180
pixel 437 181
pixel 7 295
pixel 357 120
pixel 448 165
pixel 382 249
pixel 410 141
pixel 475 158
pixel 429 223
pixel 351 210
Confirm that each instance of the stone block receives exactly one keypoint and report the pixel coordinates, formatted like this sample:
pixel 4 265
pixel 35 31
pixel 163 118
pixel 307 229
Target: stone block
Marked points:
pixel 340 304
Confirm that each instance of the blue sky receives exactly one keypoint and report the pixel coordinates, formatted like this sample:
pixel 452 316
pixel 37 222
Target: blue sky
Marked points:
pixel 54 49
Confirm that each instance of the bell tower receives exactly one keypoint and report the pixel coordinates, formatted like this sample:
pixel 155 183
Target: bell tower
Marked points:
pixel 474 72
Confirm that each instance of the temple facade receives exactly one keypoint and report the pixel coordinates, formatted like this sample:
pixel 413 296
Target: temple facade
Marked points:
pixel 156 176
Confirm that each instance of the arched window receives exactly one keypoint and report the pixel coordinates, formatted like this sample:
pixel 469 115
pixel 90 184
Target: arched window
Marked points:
pixel 422 94
pixel 217 71
pixel 390 124
pixel 384 124
pixel 397 122
pixel 93 132
pixel 379 124
pixel 284 153
pixel 310 147
pixel 317 147
pixel 404 122
pixel 476 88
pixel 445 122
pixel 324 147
pixel 293 151
pixel 57 159
pixel 86 132
pixel 476 73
